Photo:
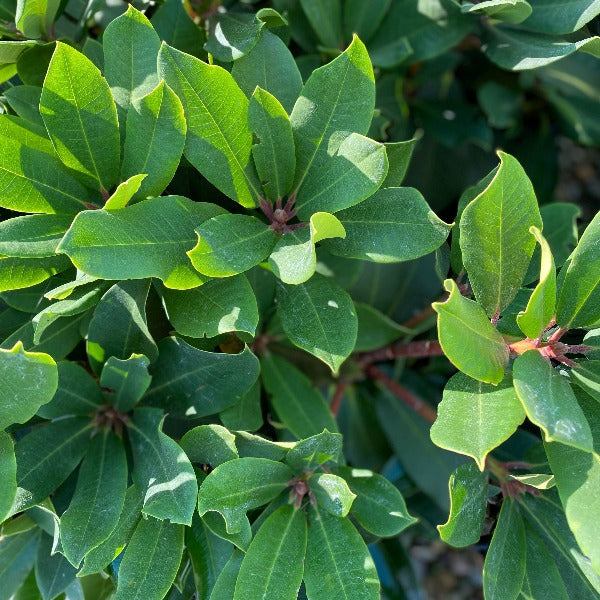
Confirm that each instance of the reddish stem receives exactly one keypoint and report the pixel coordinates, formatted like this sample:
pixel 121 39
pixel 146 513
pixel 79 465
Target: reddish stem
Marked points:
pixel 415 349
pixel 338 396
pixel 411 400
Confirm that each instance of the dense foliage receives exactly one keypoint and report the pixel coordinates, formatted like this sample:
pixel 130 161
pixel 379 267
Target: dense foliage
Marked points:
pixel 222 377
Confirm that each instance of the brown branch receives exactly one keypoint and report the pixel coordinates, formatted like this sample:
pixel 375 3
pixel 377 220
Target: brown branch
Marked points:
pixel 411 400
pixel 338 396
pixel 415 349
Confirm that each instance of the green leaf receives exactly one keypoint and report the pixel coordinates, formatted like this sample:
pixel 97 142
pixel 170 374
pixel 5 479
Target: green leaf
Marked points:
pixel 475 417
pixel 130 53
pixel 29 379
pixel 346 173
pixel 17 557
pixel 468 339
pixel 219 140
pixel 541 481
pixel 230 244
pixel 232 34
pixel 379 506
pixel 217 526
pixel 80 115
pixel 494 236
pixel 31 176
pixel 375 330
pixel 338 563
pixel 542 577
pixel 394 224
pixel 363 19
pixel 8 474
pixel 312 452
pixel 560 229
pixel 246 413
pixel 504 567
pixel 272 568
pixel 542 302
pixel 197 383
pixel 33 236
pixel 250 445
pixel 133 242
pixel 100 556
pixel 556 16
pixel 53 572
pixel 337 97
pixel 577 476
pixel 124 192
pixel 218 306
pixel 519 49
pixel 579 300
pixel 297 403
pixel 46 457
pixel 468 489
pixel 209 445
pixel 326 20
pixel 151 561
pixel 418 32
pixel 549 401
pixel 154 139
pixel 118 327
pixel 273 153
pixel 271 66
pixel 509 11
pixel 161 469
pixel 175 26
pixel 98 499
pixel 239 485
pixel 399 155
pixel 332 493
pixel 225 584
pixel 319 317
pixel 124 382
pixel 35 19
pixel 25 101
pixel 294 258
pixel 587 376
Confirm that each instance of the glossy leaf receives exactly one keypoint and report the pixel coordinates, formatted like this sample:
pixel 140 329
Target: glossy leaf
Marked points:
pixel 17 555
pixel 197 383
pixel 555 16
pixel 135 243
pixel 239 485
pixel 33 236
pixel 579 300
pixel 218 306
pixel 98 499
pixel 124 192
pixel 363 19
pixel 273 154
pixel 468 489
pixel 29 380
pixel 468 339
pixel 35 19
pixel 542 302
pixel 231 244
pixel 319 317
pixel 124 382
pixel 130 53
pixel 297 403
pixel 219 140
pixel 246 413
pixel 294 258
pixel 209 444
pixel 46 457
pixel 80 115
pixel 338 563
pixel 549 402
pixel 379 506
pixel 475 417
pixel 587 376
pixel 312 452
pixel 270 65
pixel 8 474
pixel 504 567
pixel 154 139
pixel 118 327
pixel 19 273
pixel 224 588
pixel 274 564
pixel 232 34
pixel 161 469
pixel 495 240
pixel 394 224
pixel 53 573
pixel 332 493
pixel 151 560
pixel 509 11
pixel 338 97
pixel 175 26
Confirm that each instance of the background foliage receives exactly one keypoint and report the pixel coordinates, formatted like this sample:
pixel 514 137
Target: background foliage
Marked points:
pixel 276 314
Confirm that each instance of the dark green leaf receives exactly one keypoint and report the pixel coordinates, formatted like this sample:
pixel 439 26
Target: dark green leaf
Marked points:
pixel 8 474
pixel 34 236
pixel 124 382
pixel 246 413
pixel 556 16
pixel 331 493
pixel 17 556
pixel 232 34
pixel 210 445
pixel 53 573
pixel 312 452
